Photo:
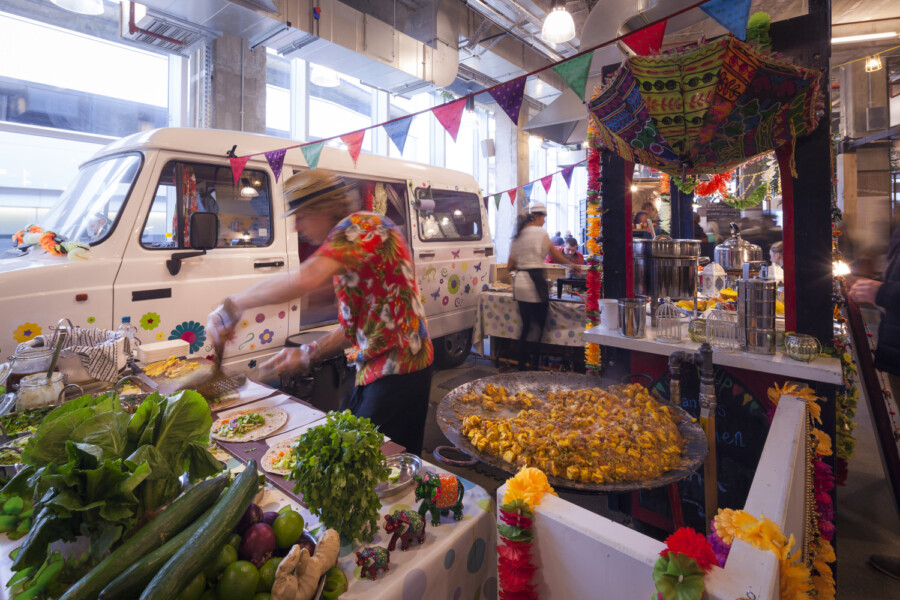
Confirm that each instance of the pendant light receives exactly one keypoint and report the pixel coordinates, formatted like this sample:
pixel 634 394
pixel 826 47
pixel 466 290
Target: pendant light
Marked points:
pixel 82 7
pixel 558 25
pixel 873 63
pixel 324 77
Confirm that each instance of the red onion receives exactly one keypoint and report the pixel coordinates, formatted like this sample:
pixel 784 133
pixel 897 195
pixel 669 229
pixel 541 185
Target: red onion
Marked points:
pixel 269 517
pixel 257 544
pixel 252 516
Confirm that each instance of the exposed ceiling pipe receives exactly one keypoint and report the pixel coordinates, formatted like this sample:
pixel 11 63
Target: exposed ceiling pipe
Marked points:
pixel 503 22
pixel 133 28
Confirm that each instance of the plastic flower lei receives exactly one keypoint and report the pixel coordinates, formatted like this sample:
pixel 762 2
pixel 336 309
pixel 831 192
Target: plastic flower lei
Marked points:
pixel 514 567
pixel 594 260
pixel 679 570
pixel 50 242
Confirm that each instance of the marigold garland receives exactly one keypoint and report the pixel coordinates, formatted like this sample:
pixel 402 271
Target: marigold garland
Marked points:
pixel 678 572
pixel 594 260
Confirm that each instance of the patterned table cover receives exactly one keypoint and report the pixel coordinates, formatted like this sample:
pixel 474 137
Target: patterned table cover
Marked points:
pixel 498 314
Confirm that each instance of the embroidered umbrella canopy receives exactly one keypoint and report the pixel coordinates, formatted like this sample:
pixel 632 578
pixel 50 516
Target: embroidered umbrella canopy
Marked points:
pixel 705 110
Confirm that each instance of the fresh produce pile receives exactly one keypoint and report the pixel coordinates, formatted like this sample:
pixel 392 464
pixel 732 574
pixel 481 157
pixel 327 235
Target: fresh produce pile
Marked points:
pixel 26 421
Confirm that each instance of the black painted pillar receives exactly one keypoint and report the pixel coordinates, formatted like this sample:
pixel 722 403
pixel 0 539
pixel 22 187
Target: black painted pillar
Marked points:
pixel 682 221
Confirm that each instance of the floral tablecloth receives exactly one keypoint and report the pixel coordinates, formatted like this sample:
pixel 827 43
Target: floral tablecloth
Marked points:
pixel 498 314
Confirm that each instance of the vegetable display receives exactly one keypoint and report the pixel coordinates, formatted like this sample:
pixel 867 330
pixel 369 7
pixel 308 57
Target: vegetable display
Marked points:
pixel 298 574
pixel 338 466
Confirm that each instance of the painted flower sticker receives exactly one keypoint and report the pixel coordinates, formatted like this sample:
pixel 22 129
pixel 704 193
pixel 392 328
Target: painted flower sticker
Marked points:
pixel 266 336
pixel 282 315
pixel 260 318
pixel 453 284
pixel 26 331
pixel 91 319
pixel 150 321
pixel 244 324
pixel 252 363
pixel 161 335
pixel 192 332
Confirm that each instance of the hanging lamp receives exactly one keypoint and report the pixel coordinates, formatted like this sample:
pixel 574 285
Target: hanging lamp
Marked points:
pixel 558 24
pixel 82 7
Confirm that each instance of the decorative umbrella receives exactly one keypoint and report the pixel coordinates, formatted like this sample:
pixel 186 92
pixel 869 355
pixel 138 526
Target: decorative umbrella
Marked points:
pixel 706 110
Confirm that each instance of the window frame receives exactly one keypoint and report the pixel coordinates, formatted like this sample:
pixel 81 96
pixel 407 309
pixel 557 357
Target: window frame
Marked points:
pixel 431 191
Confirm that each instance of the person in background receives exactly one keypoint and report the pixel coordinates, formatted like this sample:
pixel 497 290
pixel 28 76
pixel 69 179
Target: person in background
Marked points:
pixel 700 234
pixel 380 314
pixel 570 250
pixel 641 225
pixel 652 214
pixel 885 295
pixel 526 256
pixel 776 258
pixel 557 239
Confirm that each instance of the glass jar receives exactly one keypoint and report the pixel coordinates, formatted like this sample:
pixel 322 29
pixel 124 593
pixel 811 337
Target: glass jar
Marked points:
pixel 28 361
pixel 37 390
pixel 697 330
pixel 802 347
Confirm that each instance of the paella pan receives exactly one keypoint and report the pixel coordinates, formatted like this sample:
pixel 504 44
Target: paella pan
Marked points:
pixel 453 410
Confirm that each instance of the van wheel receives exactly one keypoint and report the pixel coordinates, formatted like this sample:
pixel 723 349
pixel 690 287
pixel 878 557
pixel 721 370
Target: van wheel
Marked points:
pixel 451 350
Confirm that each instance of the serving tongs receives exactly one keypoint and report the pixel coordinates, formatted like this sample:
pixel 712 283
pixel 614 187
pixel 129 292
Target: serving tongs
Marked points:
pixel 219 383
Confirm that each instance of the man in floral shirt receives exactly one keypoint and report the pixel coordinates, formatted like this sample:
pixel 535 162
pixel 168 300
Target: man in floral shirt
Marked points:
pixel 381 316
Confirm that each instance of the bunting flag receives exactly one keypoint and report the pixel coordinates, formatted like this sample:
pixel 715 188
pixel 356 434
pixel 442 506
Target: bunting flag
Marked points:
pixel 354 143
pixel 527 189
pixel 397 131
pixel 567 175
pixel 486 201
pixel 449 115
pixel 509 96
pixel 575 72
pixel 649 39
pixel 547 182
pixel 730 14
pixel 512 195
pixel 237 167
pixel 311 153
pixel 497 198
pixel 276 161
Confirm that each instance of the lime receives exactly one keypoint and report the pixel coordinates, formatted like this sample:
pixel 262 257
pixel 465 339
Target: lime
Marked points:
pixel 238 581
pixel 194 589
pixel 394 475
pixel 284 509
pixel 288 528
pixel 267 574
pixel 227 555
pixel 234 540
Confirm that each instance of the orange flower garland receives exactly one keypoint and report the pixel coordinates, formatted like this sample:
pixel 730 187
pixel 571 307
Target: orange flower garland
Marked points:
pixel 594 260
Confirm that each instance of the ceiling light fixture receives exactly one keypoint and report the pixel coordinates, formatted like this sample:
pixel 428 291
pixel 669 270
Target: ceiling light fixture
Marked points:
pixel 324 77
pixel 558 25
pixel 82 7
pixel 867 37
pixel 873 63
pixel 247 190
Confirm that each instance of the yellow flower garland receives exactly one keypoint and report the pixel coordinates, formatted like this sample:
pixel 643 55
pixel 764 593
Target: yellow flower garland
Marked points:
pixel 529 484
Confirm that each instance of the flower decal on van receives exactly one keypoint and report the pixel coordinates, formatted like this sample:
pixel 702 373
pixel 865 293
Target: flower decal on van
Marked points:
pixel 191 332
pixel 26 331
pixel 150 321
pixel 266 336
pixel 453 284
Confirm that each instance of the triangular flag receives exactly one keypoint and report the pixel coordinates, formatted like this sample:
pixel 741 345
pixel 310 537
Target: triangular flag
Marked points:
pixel 237 167
pixel 509 96
pixel 276 161
pixel 449 115
pixel 354 143
pixel 567 175
pixel 730 14
pixel 486 199
pixel 512 195
pixel 311 153
pixel 497 198
pixel 649 39
pixel 527 189
pixel 397 131
pixel 547 182
pixel 575 72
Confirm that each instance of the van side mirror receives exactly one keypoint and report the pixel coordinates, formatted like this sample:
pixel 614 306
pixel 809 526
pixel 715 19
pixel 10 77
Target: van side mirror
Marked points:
pixel 204 236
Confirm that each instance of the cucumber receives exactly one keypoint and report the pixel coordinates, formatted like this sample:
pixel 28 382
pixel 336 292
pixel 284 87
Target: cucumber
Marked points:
pixel 132 581
pixel 183 511
pixel 202 547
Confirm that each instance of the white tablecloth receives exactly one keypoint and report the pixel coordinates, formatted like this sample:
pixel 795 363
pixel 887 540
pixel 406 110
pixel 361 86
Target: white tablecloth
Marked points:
pixel 498 315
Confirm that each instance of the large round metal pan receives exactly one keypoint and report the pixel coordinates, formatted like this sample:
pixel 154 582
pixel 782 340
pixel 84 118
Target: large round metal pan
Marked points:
pixel 451 411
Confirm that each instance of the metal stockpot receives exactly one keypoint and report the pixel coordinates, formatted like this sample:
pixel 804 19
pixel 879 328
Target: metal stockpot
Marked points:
pixel 665 247
pixel 642 247
pixel 735 251
pixel 632 317
pixel 673 278
pixel 643 266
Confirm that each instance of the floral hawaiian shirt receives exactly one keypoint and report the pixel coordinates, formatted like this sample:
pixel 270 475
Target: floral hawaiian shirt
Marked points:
pixel 380 311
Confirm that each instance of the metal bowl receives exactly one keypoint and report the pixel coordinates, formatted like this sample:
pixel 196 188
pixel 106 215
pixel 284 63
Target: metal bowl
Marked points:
pixel 451 413
pixel 409 466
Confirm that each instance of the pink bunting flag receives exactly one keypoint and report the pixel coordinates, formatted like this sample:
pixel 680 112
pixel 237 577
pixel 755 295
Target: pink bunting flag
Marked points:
pixel 276 161
pixel 547 182
pixel 567 175
pixel 354 143
pixel 237 167
pixel 509 96
pixel 449 115
pixel 647 40
pixel 512 195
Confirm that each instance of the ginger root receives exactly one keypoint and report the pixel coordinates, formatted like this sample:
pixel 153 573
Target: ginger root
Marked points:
pixel 297 577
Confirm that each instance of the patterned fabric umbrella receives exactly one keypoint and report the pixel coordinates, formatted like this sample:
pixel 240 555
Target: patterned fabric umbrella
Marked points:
pixel 706 110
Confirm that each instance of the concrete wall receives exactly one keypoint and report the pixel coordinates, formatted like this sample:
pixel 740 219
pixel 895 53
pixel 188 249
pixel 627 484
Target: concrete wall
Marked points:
pixel 238 86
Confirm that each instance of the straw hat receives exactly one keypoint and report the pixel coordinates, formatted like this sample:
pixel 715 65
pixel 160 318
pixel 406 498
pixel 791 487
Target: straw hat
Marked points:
pixel 538 209
pixel 314 187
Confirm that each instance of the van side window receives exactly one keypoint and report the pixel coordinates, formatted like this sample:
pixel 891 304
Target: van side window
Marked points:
pixel 445 215
pixel 245 211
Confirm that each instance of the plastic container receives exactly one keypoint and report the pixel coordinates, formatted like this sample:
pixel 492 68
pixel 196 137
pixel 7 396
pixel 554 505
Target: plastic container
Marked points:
pixel 130 332
pixel 37 391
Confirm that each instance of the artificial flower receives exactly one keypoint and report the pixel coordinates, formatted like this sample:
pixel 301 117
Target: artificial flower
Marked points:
pixel 719 548
pixel 692 544
pixel 826 529
pixel 678 577
pixel 514 534
pixel 513 555
pixel 530 484
pixel 823 443
pixel 527 594
pixel 515 579
pixel 805 393
pixel 515 519
pixel 824 550
pixel 795 583
pixel 824 588
pixel 822 568
pixel 823 479
pixel 26 331
pixel 728 522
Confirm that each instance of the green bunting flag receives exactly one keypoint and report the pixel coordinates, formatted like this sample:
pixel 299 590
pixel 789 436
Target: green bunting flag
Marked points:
pixel 497 198
pixel 575 72
pixel 311 153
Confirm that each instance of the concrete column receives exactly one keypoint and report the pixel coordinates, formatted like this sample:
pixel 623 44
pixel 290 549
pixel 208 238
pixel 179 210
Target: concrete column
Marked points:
pixel 511 143
pixel 238 86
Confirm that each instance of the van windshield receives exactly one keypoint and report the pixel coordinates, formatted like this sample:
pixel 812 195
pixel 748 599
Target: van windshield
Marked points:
pixel 89 208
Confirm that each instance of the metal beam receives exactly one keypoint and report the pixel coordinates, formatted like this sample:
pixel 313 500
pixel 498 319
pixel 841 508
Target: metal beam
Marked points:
pixel 887 134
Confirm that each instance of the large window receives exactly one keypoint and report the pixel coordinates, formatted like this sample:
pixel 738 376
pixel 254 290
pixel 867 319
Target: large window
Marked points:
pixel 346 107
pixel 446 215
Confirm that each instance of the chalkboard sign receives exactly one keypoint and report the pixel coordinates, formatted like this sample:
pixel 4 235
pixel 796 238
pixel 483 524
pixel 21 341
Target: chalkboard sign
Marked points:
pixel 741 429
pixel 722 213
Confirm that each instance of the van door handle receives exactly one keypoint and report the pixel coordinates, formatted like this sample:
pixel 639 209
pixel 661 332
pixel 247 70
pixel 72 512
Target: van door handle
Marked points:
pixel 484 251
pixel 273 263
pixel 426 254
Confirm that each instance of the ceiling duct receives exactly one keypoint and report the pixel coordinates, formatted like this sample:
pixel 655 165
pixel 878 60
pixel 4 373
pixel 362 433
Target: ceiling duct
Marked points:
pixel 343 38
pixel 149 28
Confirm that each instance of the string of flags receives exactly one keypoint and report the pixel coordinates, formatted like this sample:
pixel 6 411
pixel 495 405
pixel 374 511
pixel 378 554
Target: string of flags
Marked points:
pixel 546 181
pixel 731 14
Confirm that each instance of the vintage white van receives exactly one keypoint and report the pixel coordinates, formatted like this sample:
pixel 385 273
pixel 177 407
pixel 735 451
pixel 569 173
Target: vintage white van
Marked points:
pixel 132 203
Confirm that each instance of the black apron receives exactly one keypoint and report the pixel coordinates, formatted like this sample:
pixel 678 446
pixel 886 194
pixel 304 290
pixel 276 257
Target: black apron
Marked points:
pixel 540 284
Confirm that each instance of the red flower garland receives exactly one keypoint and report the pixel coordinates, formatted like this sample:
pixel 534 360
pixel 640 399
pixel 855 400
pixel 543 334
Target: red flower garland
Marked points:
pixel 690 543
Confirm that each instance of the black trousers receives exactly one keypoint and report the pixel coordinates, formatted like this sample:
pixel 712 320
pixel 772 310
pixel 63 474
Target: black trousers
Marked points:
pixel 533 314
pixel 397 404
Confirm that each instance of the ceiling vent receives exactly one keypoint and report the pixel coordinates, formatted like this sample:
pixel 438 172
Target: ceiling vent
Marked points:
pixel 148 28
